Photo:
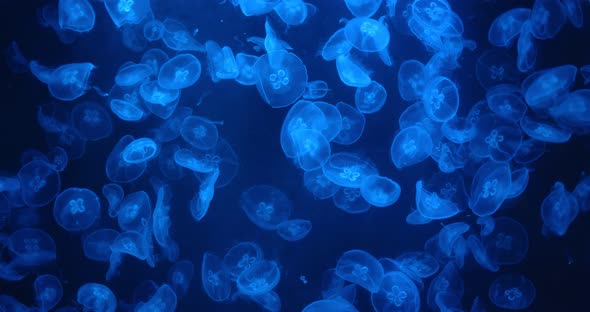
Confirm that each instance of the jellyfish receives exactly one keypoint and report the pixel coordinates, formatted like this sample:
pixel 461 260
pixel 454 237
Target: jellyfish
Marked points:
pixel 411 78
pixel 542 89
pixel 58 158
pixel 130 243
pixel 397 293
pixel 221 61
pixel 181 71
pixel 582 194
pixel 441 99
pixel 451 234
pixel 350 201
pixel 333 120
pixel 160 101
pixel 316 89
pixel 348 170
pixel 124 12
pixel 31 248
pixel 161 221
pixel 177 38
pixel 140 150
pixel 353 124
pixel 241 257
pixel 512 291
pixel 53 117
pixel 215 280
pixel 417 264
pixel 370 99
pixel 520 181
pixel 76 209
pixel 134 212
pixel 180 276
pixel 410 146
pixel 97 297
pixel 496 139
pixel 547 18
pixel 363 8
pixel 441 197
pixel 114 194
pixel 572 111
pixel 133 74
pixel 91 121
pixel 361 268
pixel 154 58
pixel 459 130
pixel 351 72
pixel 318 184
pixel 199 132
pixel 330 305
pixel 120 171
pixel 223 157
pixel 167 164
pixel 507 243
pixel 199 205
pixel 558 210
pixel 266 206
pixel 336 46
pixel 163 300
pixel 247 74
pixel 490 187
pixel 250 8
pixel 526 49
pixel 185 158
pixel 496 66
pixel 380 191
pixel 48 291
pixel 416 218
pixel 76 15
pixel 262 276
pixel 366 34
pixel 544 131
pixel 448 280
pixel 480 254
pixel 39 183
pixel 97 245
pixel 505 101
pixel 311 147
pixel 67 82
pixel 16 61
pixel 127 111
pixel 153 30
pixel 305 115
pixel 294 230
pixel 281 78
pixel 506 27
pixel 530 150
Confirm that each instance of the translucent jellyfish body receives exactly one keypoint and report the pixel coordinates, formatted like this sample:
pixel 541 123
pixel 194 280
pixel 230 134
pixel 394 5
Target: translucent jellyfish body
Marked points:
pixel 348 170
pixel 96 297
pixel 199 132
pixel 127 11
pixel 91 121
pixel 181 71
pixel 221 61
pixel 441 99
pixel 397 293
pixel 490 187
pixel 380 191
pixel 281 78
pixel 97 245
pixel 370 99
pixel 558 210
pixel 76 209
pixel 241 257
pixel 353 124
pixel 260 278
pixel 140 151
pixel 39 183
pixel 410 146
pixel 133 74
pixel 361 268
pixel 266 206
pixel 507 243
pixel 48 291
pixel 366 34
pixel 294 230
pixel 512 292
pixel 76 15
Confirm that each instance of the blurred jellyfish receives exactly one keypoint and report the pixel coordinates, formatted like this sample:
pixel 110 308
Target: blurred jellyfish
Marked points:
pixel 294 230
pixel 199 132
pixel 96 297
pixel 380 191
pixel 547 18
pixel 161 221
pixel 558 210
pixel 350 201
pixel 124 12
pixel 336 46
pixel 411 79
pixel 266 206
pixel 160 101
pixel 353 124
pixel 214 279
pixel 48 291
pixel 506 27
pixel 495 67
pixel 31 248
pixel 311 147
pixel 361 268
pixel 348 170
pixel 255 8
pixel 363 8
pixel 76 209
pixel 318 184
pixel 177 38
pixel 247 74
pixel 507 243
pixel 241 257
pixel 39 183
pixel 417 264
pixel 397 293
pixel 330 305
pixel 133 74
pixel 512 291
pixel 140 151
pixel 153 30
pixel 134 212
pixel 199 205
pixel 542 89
pixel 544 131
pixel 180 276
pixel 76 15
pixel 97 245
pixel 68 82
pixel 91 121
pixel 221 61
pixel 154 58
pixel 449 281
pixel 316 89
pixel 261 277
pixel 164 300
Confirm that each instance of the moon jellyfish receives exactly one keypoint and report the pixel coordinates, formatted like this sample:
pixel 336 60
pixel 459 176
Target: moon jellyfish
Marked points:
pixel 214 279
pixel 366 34
pixel 96 297
pixel 411 79
pixel 221 61
pixel 76 15
pixel 181 71
pixel 76 209
pixel 512 291
pixel 185 158
pixel 294 230
pixel 544 131
pixel 480 254
pixel 530 150
pixel 574 13
pixel 336 46
pixel 573 110
pixel 507 243
pixel 97 245
pixel 558 210
pixel 91 121
pixel 496 139
pixel 353 124
pixel 380 191
pixel 506 27
pixel 417 264
pixel 161 221
pixel 247 74
pixel 135 211
pixel 361 268
pixel 351 72
pixel 441 99
pixel 348 170
pixel 266 206
pixel 520 181
pixel 180 276
pixel 163 300
pixel 496 66
pixel 410 146
pixel 505 101
pixel 318 184
pixel 241 257
pixel 177 38
pixel 370 99
pixel 153 30
pixel 547 18
pixel 448 280
pixel 48 291
pixel 255 8
pixel 31 248
pixel 199 205
pixel 490 187
pixel 70 81
pixel 154 58
pixel 39 183
pixel 292 12
pixel 526 49
pixel 363 8
pixel 397 293
pixel 223 157
pixel 281 78
pixel 58 158
pixel 350 201
pixel 16 61
pixel 117 169
pixel 311 147
pixel 160 101
pixel 133 74
pixel 130 243
pixel 330 305
pixel 124 12
pixel 261 277
pixel 441 197
pixel 542 89
pixel 114 195
pixel 315 90
pixel 449 235
pixel 140 150
pixel 199 132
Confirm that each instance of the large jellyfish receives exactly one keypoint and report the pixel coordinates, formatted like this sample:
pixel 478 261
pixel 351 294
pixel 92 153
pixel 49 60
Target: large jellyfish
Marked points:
pixel 140 150
pixel 133 74
pixel 506 27
pixel 507 243
pixel 31 248
pixel 135 211
pixel 199 132
pixel 351 72
pixel 70 81
pixel 117 169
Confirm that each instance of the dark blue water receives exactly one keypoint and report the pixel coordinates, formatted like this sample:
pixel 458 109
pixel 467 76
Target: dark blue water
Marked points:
pixel 558 266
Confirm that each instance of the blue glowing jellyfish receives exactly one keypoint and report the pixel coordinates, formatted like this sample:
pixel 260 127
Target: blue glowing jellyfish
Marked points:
pixel 76 209
pixel 411 79
pixel 496 139
pixel 266 206
pixel 133 74
pixel 214 279
pixel 163 300
pixel 417 264
pixel 199 205
pixel 255 8
pixel 294 230
pixel 507 243
pixel 91 121
pixel 247 74
pixel 330 305
pixel 530 150
pixel 124 12
pixel 221 61
pixel 348 170
pixel 544 88
pixel 520 181
pixel 281 78
pixel 380 191
pixel 311 147
pixel 449 281
pixel 31 248
pixel 153 30
pixel 480 254
pixel 351 72
pixel 160 101
pixel 441 197
pixel 39 183
pixel 180 276
pixel 161 222
pixel 117 169
pixel 490 187
pixel 370 99
pixel 177 38
pixel 350 201
pixel 199 132
pixel 241 257
pixel 397 293
pixel 361 268
pixel 547 18
pixel 48 291
pixel 318 184
pixel 410 146
pixel 363 8
pixel 16 61
pixel 261 277
pixel 114 195
pixel 70 81
pixel 441 99
pixel 336 46
pixel 181 71
pixel 572 111
pixel 97 245
pixel 96 297
pixel 135 211
pixel 292 12
pixel 353 124
pixel 449 235
pixel 154 58
pixel 140 150
pixel 76 15
pixel 505 101
pixel 495 67
pixel 316 89
pixel 558 210
pixel 544 131
pixel 366 34
pixel 58 158
pixel 506 27
pixel 512 291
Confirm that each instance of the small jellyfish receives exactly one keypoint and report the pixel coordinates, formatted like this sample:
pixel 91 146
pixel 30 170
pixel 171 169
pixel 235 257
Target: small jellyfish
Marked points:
pixel 221 61
pixel 505 101
pixel 558 210
pixel 397 293
pixel 199 205
pixel 120 171
pixel 39 183
pixel 97 297
pixel 496 139
pixel 459 130
pixel 441 99
pixel 380 191
pixel 410 146
pixel 161 221
pixel 97 245
pixel 506 27
pixel 526 49
pixel 348 170
pixel 163 300
pixel 76 209
pixel 241 257
pixel 214 279
pixel 124 12
pixel 91 121
pixel 316 89
pixel 76 15
pixel 58 157
pixel 180 276
pixel 140 150
pixel 370 99
pixel 135 211
pixel 441 197
pixel 351 72
pixel 530 150
pixel 353 124
pixel 266 206
pixel 292 12
pixel 411 79
pixel 181 71
pixel 48 291
pixel 114 195
pixel 507 243
pixel 261 277
pixel 153 30
pixel 294 230
pixel 366 34
pixel 133 74
pixel 247 74
pixel 318 184
pixel 281 78
pixel 361 268
pixel 199 132
pixel 582 194
pixel 490 187
pixel 512 291
pixel 255 8
pixel 154 58
pixel 153 93
pixel 31 248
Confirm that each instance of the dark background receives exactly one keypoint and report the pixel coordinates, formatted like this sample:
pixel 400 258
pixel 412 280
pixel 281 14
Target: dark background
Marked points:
pixel 559 267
